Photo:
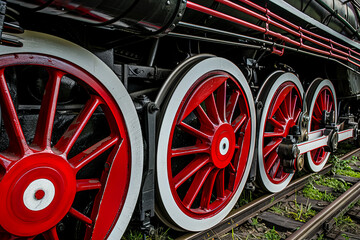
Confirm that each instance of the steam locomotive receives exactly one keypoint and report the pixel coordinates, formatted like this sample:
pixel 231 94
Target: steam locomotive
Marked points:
pixel 112 108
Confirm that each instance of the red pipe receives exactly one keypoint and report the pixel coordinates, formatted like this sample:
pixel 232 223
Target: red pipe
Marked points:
pixel 293 29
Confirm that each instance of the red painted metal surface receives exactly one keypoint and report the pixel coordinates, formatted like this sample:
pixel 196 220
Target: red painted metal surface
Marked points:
pixel 319 44
pixel 23 165
pixel 324 102
pixel 206 170
pixel 286 106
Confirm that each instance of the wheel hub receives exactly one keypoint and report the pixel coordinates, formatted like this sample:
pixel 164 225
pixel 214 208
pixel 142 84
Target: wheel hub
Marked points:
pixel 38 192
pixel 223 146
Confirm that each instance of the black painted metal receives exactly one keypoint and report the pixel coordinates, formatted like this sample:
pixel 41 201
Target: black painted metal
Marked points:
pixel 139 16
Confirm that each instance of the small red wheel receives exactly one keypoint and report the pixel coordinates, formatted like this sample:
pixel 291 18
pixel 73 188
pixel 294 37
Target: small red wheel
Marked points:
pixel 320 97
pixel 281 96
pixel 69 182
pixel 205 145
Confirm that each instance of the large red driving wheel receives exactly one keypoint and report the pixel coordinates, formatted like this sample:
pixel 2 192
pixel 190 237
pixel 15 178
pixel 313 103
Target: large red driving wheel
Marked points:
pixel 62 182
pixel 281 96
pixel 205 145
pixel 320 97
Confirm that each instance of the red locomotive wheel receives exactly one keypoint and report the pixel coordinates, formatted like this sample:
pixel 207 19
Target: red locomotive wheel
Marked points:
pixel 69 182
pixel 205 145
pixel 282 97
pixel 320 97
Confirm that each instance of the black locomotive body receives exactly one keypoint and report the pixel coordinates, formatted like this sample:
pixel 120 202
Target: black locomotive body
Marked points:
pixel 166 107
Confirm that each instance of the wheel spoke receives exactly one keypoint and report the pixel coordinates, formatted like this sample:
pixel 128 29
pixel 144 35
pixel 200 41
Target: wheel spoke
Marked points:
pixel 330 106
pixel 51 234
pixel 316 119
pixel 279 115
pixel 317 110
pixel 275 169
pixel 211 109
pixel 274 134
pixel 297 114
pixel 47 111
pixel 13 128
pixel 193 131
pixel 220 184
pixel 276 123
pixel 87 184
pixel 285 108
pixel 203 118
pixel 85 157
pixel 5 162
pixel 221 101
pixel 294 106
pixel 73 132
pixel 323 100
pixel 281 98
pixel 183 151
pixel 75 213
pixel 238 122
pixel 270 161
pixel 230 108
pixel 208 189
pixel 271 147
pixel 193 167
pixel 196 185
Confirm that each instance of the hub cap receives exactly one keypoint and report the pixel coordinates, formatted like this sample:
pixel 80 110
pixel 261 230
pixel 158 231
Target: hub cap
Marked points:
pixel 43 189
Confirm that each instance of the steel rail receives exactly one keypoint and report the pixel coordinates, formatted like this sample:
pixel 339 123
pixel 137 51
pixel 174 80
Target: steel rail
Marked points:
pixel 315 224
pixel 242 214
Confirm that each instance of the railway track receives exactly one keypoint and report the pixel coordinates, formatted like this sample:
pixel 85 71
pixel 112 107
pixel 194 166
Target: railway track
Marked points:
pixel 324 217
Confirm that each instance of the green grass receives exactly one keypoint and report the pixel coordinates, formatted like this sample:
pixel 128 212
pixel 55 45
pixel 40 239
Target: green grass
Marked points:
pixel 338 185
pixel 134 234
pixel 298 212
pixel 346 224
pixel 347 172
pixel 272 234
pixel 310 192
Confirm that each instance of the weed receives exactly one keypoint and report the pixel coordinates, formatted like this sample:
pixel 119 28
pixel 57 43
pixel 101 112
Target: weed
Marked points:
pixel 254 221
pixel 348 172
pixel 345 236
pixel 245 197
pixel 272 234
pixel 321 237
pixel 346 224
pixel 277 209
pixel 310 192
pixel 338 185
pixel 298 212
pixel 132 235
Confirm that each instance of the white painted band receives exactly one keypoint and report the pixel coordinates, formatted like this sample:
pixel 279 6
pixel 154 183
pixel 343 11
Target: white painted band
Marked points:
pixel 29 198
pixel 224 146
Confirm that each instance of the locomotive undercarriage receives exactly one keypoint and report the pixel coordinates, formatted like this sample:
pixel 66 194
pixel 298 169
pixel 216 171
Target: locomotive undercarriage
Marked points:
pixel 215 112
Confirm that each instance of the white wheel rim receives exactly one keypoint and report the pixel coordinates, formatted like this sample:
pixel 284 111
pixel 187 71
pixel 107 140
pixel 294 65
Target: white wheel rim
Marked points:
pixel 269 185
pixel 324 83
